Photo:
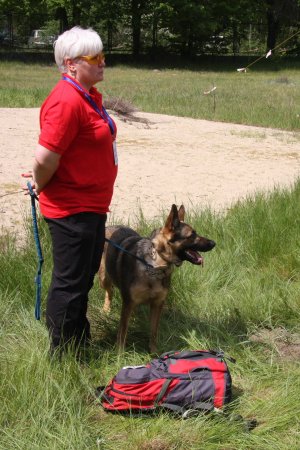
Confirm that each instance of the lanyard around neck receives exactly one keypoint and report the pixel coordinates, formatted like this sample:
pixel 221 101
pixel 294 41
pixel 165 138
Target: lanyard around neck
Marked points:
pixel 103 114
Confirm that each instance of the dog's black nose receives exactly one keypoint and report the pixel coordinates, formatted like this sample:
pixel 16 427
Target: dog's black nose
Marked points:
pixel 211 244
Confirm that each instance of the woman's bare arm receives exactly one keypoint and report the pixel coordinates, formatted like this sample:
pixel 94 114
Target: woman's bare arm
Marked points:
pixel 45 165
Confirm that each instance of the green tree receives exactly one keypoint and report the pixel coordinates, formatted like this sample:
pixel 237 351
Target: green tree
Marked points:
pixel 279 13
pixel 190 22
pixel 22 16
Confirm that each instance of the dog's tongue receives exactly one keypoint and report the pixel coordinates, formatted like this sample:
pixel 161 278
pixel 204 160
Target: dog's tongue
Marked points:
pixel 194 257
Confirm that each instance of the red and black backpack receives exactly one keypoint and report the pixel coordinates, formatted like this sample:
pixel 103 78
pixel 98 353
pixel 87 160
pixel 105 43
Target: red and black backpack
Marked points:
pixel 177 381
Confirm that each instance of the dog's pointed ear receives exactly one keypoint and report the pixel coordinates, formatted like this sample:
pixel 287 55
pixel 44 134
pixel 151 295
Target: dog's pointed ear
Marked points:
pixel 173 220
pixel 181 213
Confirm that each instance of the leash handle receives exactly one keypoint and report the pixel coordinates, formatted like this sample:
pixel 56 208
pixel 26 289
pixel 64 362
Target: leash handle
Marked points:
pixel 38 278
pixel 31 191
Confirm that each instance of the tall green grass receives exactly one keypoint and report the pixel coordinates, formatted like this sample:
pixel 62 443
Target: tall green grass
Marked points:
pixel 268 98
pixel 249 282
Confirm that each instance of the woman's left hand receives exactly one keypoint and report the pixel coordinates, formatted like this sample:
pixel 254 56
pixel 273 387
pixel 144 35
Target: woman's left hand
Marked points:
pixel 25 188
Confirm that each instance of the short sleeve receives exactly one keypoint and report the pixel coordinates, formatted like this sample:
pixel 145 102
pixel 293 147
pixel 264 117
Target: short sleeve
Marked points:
pixel 59 122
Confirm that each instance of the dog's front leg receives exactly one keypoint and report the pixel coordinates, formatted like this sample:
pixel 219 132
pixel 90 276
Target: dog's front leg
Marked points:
pixel 127 309
pixel 155 313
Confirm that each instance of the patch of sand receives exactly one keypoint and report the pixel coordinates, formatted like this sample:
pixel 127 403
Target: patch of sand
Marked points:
pixel 170 160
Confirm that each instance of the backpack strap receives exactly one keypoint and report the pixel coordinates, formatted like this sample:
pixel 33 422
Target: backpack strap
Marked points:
pixel 162 392
pixel 167 354
pixel 173 408
pixel 186 413
pixel 198 406
pixel 179 355
pixel 204 406
pixel 191 353
pixel 100 392
pixel 185 354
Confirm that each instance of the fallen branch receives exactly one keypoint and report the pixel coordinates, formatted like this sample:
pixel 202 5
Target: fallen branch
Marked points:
pixel 124 109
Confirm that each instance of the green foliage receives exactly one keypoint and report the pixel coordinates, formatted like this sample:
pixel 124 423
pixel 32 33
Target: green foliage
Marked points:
pixel 190 22
pixel 185 27
pixel 250 284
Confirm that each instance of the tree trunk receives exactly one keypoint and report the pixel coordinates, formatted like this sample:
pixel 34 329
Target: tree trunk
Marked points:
pixel 235 39
pixel 154 30
pixel 136 36
pixel 10 28
pixel 136 23
pixel 273 25
pixel 61 15
pixel 75 13
pixel 109 36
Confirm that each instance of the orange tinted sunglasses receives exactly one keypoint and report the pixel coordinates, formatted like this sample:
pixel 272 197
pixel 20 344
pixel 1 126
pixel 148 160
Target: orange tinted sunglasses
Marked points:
pixel 93 60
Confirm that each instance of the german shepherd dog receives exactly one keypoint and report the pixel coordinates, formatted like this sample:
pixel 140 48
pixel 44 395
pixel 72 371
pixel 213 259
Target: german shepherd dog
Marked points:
pixel 142 268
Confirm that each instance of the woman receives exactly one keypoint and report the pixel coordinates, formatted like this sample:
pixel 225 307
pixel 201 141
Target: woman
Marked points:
pixel 74 172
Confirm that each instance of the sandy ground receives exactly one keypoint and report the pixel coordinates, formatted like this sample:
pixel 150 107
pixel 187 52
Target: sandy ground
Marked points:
pixel 168 160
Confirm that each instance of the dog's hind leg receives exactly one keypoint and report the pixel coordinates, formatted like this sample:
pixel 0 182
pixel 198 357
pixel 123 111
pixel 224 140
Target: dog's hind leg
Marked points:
pixel 107 300
pixel 106 284
pixel 155 313
pixel 127 308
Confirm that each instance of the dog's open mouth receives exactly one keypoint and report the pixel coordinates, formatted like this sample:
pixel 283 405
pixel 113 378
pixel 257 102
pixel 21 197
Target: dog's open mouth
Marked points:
pixel 193 257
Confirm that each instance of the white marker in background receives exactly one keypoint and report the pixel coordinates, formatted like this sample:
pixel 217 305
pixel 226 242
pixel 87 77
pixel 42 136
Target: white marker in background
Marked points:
pixel 212 90
pixel 269 53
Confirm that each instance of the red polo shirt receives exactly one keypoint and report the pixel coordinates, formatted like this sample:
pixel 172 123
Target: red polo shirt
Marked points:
pixel 85 177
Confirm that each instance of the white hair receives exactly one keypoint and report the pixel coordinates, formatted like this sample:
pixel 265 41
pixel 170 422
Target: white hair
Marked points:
pixel 74 43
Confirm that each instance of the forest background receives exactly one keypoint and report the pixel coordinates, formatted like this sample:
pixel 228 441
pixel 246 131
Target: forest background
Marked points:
pixel 189 28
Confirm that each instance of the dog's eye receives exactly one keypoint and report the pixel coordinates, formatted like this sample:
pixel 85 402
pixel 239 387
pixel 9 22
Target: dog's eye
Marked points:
pixel 176 238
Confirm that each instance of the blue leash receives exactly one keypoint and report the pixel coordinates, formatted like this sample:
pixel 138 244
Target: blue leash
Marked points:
pixel 117 246
pixel 38 278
